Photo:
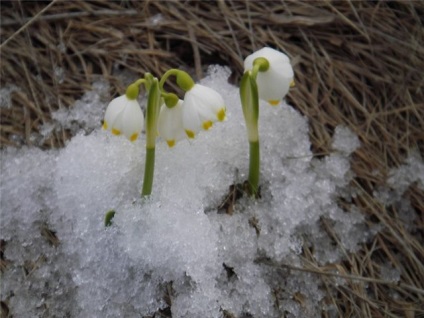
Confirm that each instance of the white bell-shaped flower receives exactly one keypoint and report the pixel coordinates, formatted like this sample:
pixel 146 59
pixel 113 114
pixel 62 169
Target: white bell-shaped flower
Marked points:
pixel 124 116
pixel 202 107
pixel 275 82
pixel 170 123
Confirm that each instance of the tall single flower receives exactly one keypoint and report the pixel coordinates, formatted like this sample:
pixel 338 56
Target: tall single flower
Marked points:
pixel 202 107
pixel 124 116
pixel 273 82
pixel 170 123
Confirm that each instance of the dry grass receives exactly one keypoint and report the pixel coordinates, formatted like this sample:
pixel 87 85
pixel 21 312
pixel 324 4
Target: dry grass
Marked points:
pixel 356 63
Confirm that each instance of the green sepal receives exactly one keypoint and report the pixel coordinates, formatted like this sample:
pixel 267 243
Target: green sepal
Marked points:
pixel 108 217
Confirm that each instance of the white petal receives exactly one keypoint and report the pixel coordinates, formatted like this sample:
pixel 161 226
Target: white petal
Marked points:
pixel 283 68
pixel 202 106
pixel 191 120
pixel 273 85
pixel 273 56
pixel 115 107
pixel 170 122
pixel 117 125
pixel 209 102
pixel 132 120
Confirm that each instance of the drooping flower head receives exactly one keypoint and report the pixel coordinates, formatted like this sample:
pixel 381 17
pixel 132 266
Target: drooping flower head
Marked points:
pixel 170 123
pixel 202 107
pixel 274 82
pixel 124 116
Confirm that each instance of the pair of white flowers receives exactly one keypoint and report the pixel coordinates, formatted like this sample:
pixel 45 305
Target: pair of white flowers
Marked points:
pixel 202 106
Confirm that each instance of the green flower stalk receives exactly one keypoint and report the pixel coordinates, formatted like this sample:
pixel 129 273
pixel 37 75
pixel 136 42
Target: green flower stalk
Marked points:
pixel 153 107
pixel 124 116
pixel 250 104
pixel 268 76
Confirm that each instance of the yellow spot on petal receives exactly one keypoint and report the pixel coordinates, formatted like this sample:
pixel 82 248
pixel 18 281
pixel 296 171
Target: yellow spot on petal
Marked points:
pixel 171 143
pixel 207 124
pixel 292 83
pixel 104 125
pixel 221 114
pixel 190 133
pixel 134 137
pixel 116 131
pixel 274 102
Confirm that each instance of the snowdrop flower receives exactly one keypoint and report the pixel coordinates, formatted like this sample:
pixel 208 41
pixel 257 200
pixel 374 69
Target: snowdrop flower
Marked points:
pixel 170 123
pixel 124 116
pixel 275 75
pixel 202 107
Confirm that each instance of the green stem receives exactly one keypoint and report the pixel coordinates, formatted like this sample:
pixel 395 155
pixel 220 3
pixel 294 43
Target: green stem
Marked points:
pixel 140 81
pixel 250 104
pixel 255 71
pixel 165 76
pixel 184 81
pixel 254 165
pixel 149 169
pixel 152 111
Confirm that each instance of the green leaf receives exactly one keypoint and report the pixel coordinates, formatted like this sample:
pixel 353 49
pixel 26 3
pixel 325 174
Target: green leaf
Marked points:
pixel 108 217
pixel 250 103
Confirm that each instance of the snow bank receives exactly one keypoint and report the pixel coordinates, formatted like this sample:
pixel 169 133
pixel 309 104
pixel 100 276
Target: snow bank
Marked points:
pixel 174 245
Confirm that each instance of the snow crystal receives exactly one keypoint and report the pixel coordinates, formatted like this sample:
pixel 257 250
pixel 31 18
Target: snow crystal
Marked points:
pixel 5 96
pixel 59 74
pixel 176 248
pixel 389 273
pixel 345 140
pixel 85 115
pixel 398 181
pixel 411 171
pixel 156 19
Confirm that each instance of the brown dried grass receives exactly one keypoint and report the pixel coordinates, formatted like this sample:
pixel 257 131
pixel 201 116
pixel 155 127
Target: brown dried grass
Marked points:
pixel 356 63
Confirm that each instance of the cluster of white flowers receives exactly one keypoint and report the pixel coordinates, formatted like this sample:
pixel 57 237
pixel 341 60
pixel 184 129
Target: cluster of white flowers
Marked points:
pixel 202 106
